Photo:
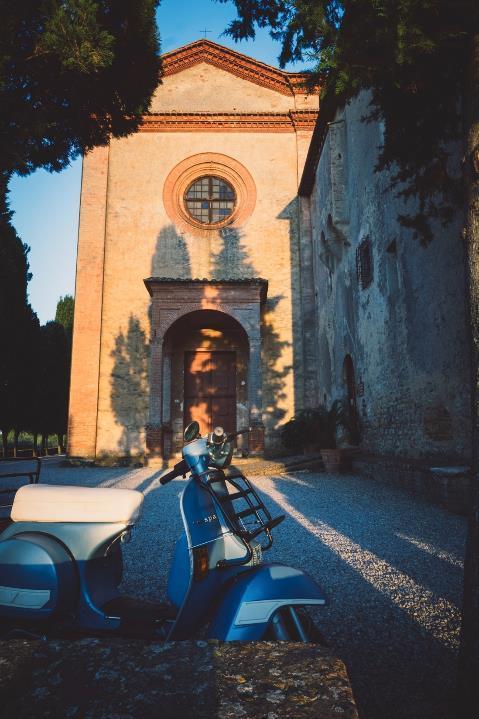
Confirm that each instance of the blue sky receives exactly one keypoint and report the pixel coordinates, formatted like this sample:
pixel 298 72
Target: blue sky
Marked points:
pixel 46 205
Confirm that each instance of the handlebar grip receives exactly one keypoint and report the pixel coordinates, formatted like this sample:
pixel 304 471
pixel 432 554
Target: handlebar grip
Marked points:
pixel 237 434
pixel 177 471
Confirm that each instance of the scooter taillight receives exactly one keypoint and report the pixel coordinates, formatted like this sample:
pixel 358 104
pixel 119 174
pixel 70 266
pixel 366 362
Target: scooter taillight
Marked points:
pixel 200 563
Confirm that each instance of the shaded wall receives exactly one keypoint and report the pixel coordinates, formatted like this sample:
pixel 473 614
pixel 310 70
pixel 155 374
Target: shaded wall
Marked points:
pixel 406 331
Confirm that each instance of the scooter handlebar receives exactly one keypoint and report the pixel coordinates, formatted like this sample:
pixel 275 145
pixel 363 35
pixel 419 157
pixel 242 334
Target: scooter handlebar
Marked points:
pixel 237 434
pixel 179 469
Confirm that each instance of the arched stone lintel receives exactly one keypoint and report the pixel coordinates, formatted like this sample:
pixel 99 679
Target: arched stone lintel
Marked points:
pixel 168 317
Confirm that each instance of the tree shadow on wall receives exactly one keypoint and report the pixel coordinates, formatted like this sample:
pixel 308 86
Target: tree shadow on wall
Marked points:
pixel 172 257
pixel 129 386
pixel 298 285
pixel 274 379
pixel 232 261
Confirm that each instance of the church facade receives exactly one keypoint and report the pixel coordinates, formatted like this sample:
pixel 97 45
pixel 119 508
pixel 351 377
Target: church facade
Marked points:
pixel 188 292
pixel 239 260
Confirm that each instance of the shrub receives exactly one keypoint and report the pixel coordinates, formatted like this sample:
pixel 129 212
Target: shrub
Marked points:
pixel 316 427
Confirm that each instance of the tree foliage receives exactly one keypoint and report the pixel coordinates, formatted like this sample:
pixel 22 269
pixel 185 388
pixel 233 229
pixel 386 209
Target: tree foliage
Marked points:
pixel 72 74
pixel 64 313
pixel 412 54
pixel 34 360
pixel 18 326
pixel 52 380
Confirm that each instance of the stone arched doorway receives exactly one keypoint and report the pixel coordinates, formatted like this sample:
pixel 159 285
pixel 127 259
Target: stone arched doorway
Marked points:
pixel 205 360
pixel 205 374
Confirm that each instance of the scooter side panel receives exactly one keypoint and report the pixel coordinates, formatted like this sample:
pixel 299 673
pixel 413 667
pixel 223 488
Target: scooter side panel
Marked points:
pixel 253 596
pixel 88 544
pixel 37 577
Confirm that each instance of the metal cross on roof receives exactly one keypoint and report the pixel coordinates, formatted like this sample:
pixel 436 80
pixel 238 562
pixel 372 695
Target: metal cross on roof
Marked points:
pixel 205 31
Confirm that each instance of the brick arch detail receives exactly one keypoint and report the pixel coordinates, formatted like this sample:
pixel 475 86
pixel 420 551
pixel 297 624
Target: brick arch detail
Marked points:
pixel 170 316
pixel 172 299
pixel 208 163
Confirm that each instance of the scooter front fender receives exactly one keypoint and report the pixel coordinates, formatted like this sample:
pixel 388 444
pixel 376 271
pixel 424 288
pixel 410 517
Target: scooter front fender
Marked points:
pixel 252 597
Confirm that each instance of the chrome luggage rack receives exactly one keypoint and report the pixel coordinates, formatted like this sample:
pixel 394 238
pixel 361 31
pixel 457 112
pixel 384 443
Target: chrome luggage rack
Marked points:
pixel 242 506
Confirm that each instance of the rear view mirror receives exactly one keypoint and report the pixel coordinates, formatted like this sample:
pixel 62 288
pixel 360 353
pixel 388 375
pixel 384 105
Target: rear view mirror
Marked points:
pixel 192 431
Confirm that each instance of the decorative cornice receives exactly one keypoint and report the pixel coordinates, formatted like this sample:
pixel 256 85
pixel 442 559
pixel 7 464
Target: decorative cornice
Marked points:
pixel 207 280
pixel 291 121
pixel 153 282
pixel 286 83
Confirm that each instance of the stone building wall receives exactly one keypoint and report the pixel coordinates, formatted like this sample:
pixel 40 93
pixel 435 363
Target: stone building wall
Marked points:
pixel 405 332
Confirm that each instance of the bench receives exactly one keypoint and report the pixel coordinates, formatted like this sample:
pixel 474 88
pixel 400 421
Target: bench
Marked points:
pixel 32 474
pixel 14 468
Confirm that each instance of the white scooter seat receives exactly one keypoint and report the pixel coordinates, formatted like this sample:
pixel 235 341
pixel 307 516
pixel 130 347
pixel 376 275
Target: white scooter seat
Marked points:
pixel 44 503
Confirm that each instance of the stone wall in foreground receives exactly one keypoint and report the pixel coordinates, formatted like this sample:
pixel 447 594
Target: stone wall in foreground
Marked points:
pixel 195 680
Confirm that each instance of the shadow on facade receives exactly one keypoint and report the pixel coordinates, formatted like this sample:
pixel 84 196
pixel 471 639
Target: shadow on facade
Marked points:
pixel 274 379
pixel 290 215
pixel 129 386
pixel 130 382
pixel 171 258
pixel 232 261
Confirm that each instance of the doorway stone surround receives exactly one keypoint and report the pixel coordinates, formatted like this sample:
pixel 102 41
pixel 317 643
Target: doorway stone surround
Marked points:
pixel 172 298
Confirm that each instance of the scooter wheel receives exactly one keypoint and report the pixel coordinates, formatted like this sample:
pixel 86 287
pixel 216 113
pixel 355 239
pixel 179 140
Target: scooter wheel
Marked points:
pixel 293 624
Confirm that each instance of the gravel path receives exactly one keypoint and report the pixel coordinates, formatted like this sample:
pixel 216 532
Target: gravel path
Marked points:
pixel 390 565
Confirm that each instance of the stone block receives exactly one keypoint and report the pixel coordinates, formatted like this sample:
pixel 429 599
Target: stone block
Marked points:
pixel 192 679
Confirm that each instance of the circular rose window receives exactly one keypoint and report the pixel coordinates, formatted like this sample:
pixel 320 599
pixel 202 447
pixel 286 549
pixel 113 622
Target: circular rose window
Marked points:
pixel 210 200
pixel 206 192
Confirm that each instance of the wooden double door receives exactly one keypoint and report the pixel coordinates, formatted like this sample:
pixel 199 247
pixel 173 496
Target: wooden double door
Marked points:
pixel 210 389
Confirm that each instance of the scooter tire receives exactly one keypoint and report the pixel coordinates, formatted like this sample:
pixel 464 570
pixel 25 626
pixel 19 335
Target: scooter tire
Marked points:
pixel 294 624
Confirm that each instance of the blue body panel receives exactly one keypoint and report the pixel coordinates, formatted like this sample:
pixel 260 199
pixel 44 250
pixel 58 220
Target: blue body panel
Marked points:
pixel 179 576
pixel 252 597
pixel 36 564
pixel 204 525
pixel 93 572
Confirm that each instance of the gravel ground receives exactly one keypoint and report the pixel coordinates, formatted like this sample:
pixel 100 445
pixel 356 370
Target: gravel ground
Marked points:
pixel 390 565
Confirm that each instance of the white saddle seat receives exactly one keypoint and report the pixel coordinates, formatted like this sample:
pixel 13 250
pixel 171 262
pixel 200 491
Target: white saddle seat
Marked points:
pixel 44 503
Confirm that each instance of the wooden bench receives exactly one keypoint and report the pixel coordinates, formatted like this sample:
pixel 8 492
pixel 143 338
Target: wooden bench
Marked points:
pixel 14 468
pixel 32 474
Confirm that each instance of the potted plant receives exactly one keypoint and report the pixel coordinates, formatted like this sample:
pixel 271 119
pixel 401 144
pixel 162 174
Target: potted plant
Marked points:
pixel 336 437
pixel 329 431
pixel 301 433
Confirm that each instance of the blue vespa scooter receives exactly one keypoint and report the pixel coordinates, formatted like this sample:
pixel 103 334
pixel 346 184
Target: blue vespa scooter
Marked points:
pixel 60 559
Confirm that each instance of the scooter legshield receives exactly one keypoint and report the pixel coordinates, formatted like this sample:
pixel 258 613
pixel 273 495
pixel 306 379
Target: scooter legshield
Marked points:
pixel 252 597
